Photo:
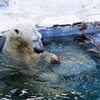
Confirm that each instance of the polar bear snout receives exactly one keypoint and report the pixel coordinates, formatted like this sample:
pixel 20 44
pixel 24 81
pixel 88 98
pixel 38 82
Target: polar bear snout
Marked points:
pixel 38 51
pixel 38 47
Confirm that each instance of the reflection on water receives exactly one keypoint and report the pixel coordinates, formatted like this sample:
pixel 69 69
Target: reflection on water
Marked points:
pixel 74 61
pixel 78 67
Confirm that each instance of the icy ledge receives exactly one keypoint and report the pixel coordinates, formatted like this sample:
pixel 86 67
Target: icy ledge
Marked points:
pixel 70 19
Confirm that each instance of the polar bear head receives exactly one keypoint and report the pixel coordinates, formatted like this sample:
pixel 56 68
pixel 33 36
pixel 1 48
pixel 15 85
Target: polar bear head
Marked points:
pixel 26 35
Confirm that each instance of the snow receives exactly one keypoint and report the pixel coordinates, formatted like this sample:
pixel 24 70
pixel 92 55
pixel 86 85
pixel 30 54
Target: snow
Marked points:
pixel 4 2
pixel 62 20
pixel 48 12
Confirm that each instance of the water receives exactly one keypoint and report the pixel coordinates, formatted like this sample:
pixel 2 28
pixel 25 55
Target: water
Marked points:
pixel 79 68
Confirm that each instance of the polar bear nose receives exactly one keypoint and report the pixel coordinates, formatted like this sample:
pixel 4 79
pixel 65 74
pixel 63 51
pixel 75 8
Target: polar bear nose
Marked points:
pixel 38 51
pixel 38 47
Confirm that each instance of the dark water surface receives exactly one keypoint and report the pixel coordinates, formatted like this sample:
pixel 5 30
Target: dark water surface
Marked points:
pixel 80 68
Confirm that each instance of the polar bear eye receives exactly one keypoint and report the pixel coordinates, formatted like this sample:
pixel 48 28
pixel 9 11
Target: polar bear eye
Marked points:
pixel 16 30
pixel 35 40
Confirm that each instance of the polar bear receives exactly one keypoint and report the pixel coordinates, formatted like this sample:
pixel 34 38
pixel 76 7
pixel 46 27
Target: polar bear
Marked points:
pixel 24 45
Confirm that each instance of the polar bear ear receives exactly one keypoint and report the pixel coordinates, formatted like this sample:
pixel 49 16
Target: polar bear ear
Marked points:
pixel 16 30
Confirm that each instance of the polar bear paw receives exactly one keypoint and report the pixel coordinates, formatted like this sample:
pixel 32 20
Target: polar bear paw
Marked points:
pixel 50 57
pixel 55 60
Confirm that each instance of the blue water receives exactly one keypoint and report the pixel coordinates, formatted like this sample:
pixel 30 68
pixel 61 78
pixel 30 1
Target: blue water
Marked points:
pixel 79 68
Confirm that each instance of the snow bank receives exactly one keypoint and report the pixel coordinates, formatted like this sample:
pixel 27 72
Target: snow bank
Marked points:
pixel 48 12
pixel 4 2
pixel 49 22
